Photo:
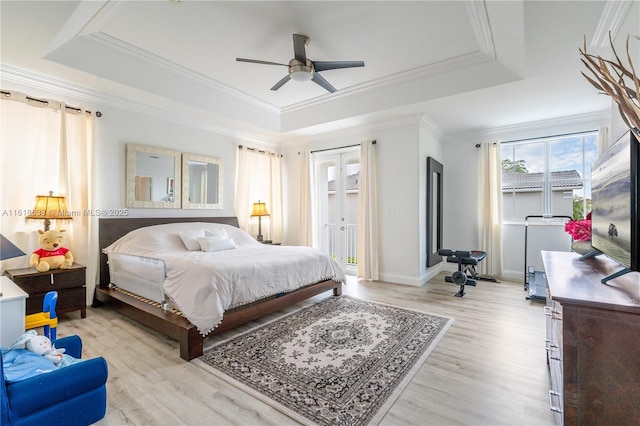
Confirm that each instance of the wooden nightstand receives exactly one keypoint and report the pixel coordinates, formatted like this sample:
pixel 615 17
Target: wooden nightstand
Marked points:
pixel 69 283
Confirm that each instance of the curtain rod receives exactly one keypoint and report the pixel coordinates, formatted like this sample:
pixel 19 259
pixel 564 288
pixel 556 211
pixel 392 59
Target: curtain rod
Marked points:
pixel 260 151
pixel 373 142
pixel 45 102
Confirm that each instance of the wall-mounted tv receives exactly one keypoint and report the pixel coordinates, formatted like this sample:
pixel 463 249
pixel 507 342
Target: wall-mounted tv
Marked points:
pixel 614 203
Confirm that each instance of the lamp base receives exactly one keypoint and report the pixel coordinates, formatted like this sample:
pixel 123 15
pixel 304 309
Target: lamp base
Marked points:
pixel 259 237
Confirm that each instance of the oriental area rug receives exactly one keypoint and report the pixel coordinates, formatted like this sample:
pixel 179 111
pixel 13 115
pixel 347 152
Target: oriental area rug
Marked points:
pixel 341 361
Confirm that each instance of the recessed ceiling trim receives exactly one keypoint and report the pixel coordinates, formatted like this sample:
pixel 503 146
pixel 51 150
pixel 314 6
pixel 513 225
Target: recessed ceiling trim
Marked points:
pixel 479 20
pixel 86 17
pixel 412 75
pixel 127 49
pixel 611 20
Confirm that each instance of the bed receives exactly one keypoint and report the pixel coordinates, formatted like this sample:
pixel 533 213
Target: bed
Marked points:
pixel 144 266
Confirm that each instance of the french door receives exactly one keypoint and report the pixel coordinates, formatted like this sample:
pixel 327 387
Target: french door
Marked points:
pixel 337 190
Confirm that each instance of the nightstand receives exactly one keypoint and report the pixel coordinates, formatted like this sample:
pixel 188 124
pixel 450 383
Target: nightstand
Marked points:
pixel 69 283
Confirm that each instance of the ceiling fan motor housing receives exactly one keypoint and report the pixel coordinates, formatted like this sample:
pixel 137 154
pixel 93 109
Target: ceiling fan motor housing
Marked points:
pixel 299 71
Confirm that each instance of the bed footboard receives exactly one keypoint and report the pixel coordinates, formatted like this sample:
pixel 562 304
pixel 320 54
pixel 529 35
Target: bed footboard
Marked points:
pixel 179 328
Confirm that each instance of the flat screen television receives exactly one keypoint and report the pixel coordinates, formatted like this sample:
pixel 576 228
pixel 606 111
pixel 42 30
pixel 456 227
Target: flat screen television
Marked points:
pixel 615 211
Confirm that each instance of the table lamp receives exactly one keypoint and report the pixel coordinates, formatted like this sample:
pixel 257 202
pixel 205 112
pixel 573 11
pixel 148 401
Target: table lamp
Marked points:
pixel 50 207
pixel 259 210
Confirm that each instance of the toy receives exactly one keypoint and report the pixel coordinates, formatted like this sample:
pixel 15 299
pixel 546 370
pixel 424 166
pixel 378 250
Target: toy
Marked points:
pixel 41 345
pixel 51 254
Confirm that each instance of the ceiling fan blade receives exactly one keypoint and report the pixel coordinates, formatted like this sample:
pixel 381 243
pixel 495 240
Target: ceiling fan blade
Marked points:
pixel 318 79
pixel 256 61
pixel 281 82
pixel 334 65
pixel 299 42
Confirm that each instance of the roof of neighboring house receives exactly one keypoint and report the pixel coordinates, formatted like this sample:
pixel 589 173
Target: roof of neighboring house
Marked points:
pixel 561 179
pixel 352 182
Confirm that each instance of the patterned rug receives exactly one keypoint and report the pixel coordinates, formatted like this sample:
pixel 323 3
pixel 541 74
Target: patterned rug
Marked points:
pixel 341 361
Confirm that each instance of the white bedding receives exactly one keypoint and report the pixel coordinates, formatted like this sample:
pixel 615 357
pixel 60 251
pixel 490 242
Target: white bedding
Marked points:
pixel 205 284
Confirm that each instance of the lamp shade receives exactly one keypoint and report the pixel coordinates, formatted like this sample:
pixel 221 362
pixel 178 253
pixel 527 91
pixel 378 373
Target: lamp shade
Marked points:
pixel 259 209
pixel 50 207
pixel 8 250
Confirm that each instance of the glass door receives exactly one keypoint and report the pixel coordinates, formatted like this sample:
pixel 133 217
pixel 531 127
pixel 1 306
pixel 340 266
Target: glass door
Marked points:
pixel 337 192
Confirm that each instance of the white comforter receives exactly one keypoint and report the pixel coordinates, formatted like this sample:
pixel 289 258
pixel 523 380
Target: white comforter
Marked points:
pixel 205 284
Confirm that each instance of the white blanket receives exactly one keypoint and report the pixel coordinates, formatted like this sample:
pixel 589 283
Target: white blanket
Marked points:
pixel 205 284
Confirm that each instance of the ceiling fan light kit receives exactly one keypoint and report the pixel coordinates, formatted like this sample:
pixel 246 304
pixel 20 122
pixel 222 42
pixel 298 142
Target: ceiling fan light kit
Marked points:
pixel 300 72
pixel 303 69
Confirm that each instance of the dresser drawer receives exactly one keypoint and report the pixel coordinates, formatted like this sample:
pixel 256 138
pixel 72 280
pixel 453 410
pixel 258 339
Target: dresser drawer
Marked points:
pixel 43 283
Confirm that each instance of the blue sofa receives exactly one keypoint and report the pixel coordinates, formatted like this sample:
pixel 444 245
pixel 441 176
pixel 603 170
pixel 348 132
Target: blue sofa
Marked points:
pixel 72 395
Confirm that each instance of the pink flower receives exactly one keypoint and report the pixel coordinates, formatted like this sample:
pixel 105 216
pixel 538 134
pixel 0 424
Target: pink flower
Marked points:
pixel 580 230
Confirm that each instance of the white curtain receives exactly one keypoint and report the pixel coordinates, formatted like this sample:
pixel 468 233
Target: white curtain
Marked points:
pixel 47 147
pixel 490 211
pixel 259 178
pixel 306 203
pixel 368 213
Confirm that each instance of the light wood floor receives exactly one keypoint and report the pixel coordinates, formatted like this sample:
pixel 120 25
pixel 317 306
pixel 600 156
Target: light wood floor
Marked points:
pixel 489 369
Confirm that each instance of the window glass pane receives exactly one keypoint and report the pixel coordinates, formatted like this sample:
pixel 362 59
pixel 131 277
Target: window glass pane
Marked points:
pixel 548 176
pixel 522 180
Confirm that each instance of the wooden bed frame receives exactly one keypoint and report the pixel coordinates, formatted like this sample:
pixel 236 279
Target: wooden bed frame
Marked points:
pixel 174 325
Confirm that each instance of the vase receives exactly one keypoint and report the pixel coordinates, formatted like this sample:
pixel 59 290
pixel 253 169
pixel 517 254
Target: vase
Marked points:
pixel 582 247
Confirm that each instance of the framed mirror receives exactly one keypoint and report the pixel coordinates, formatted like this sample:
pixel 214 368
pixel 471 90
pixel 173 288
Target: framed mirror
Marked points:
pixel 434 211
pixel 153 177
pixel 201 182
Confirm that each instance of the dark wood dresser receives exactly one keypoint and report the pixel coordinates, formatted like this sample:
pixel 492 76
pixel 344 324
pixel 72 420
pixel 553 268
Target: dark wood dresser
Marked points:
pixel 69 283
pixel 593 341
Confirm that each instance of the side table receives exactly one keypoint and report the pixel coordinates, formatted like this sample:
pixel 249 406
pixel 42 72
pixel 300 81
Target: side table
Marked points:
pixel 12 312
pixel 69 283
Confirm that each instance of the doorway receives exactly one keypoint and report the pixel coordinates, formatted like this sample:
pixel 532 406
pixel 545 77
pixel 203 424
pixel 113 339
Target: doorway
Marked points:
pixel 337 193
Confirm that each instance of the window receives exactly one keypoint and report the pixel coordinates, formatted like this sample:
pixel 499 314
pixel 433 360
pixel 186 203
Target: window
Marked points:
pixel 548 176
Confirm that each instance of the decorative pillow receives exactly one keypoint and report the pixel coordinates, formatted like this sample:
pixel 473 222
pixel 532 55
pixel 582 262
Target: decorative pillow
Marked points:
pixel 216 244
pixel 190 239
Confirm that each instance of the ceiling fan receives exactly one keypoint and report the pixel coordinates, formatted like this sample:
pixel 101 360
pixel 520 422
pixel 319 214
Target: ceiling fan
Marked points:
pixel 302 68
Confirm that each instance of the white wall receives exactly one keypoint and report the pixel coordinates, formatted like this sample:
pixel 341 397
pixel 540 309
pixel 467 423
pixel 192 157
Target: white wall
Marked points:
pixel 402 148
pixel 462 197
pixel 117 127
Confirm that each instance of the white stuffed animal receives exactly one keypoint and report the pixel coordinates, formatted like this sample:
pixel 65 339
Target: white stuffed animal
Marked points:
pixel 40 345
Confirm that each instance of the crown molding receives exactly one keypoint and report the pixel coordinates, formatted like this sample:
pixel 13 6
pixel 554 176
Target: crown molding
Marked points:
pixel 356 131
pixel 430 126
pixel 9 74
pixel 591 120
pixel 611 20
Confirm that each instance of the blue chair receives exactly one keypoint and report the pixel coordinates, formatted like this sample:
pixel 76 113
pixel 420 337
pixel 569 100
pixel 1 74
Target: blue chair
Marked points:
pixel 47 318
pixel 72 395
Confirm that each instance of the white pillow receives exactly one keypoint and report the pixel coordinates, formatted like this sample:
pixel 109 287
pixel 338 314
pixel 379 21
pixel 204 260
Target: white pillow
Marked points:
pixel 216 244
pixel 190 239
pixel 219 233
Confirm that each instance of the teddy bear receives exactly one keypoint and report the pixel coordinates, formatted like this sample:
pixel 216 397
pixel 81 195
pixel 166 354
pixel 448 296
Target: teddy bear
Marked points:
pixel 41 345
pixel 51 254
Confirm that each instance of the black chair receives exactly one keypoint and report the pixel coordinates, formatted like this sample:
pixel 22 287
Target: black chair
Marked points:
pixel 466 273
